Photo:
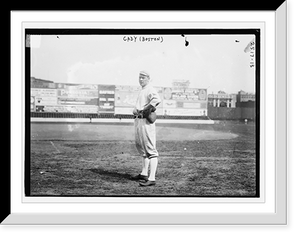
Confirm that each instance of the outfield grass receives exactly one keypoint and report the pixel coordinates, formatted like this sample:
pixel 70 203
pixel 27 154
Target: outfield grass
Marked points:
pixel 94 160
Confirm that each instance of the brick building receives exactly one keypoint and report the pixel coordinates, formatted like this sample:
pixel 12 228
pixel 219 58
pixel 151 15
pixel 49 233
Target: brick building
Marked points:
pixel 222 99
pixel 245 99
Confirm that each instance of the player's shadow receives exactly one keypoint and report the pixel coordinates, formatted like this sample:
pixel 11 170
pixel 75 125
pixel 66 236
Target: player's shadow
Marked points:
pixel 111 175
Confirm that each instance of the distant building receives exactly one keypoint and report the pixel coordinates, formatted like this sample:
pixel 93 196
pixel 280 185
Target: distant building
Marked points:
pixel 245 99
pixel 222 99
pixel 41 83
pixel 34 80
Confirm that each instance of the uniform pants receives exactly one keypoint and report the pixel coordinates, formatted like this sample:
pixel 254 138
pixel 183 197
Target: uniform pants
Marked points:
pixel 145 138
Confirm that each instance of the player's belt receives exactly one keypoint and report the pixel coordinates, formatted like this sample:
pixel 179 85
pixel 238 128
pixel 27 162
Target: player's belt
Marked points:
pixel 139 117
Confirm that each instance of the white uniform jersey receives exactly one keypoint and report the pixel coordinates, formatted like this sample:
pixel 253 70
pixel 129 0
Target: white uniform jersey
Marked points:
pixel 148 95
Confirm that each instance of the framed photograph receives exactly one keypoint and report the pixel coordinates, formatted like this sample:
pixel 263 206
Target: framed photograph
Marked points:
pixel 123 118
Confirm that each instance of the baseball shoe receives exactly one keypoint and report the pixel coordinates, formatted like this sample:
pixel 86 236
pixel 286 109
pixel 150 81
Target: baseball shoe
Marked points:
pixel 147 183
pixel 140 177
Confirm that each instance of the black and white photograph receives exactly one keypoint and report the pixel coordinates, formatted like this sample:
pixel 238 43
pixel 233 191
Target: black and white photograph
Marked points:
pixel 151 122
pixel 142 112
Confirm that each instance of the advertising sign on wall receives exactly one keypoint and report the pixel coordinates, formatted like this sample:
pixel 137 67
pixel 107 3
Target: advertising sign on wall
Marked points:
pixel 45 100
pixel 106 98
pixel 188 94
pixel 185 112
pixel 125 98
pixel 67 108
pixel 169 104
pixel 77 101
pixel 76 93
pixel 43 92
pixel 185 101
pixel 42 96
pixel 79 98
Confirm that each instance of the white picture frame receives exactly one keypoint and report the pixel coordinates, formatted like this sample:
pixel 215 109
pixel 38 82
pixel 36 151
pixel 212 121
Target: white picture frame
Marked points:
pixel 271 210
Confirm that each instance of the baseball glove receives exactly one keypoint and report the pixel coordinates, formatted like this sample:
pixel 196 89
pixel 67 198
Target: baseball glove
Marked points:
pixel 150 114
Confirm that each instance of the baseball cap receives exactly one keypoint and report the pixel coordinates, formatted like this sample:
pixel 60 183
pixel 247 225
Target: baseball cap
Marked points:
pixel 144 72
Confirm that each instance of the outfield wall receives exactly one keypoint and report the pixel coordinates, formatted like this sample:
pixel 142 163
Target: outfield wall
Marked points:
pixel 49 97
pixel 225 113
pixel 60 100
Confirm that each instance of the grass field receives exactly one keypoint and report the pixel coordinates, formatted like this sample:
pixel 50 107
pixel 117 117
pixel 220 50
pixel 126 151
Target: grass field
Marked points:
pixel 68 159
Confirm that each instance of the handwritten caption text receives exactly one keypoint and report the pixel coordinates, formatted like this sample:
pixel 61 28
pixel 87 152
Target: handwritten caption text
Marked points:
pixel 159 39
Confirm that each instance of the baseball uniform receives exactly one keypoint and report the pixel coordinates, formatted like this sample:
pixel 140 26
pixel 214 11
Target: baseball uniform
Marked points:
pixel 145 134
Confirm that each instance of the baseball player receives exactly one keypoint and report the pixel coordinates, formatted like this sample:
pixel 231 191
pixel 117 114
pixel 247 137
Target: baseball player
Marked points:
pixel 145 133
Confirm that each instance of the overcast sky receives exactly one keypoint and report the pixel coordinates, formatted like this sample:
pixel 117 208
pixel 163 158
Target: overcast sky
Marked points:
pixel 216 62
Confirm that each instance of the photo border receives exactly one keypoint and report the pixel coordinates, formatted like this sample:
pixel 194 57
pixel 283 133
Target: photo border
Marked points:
pixel 256 31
